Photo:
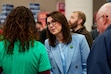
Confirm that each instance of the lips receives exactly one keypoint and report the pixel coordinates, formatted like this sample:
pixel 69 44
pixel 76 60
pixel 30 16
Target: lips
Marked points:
pixel 52 30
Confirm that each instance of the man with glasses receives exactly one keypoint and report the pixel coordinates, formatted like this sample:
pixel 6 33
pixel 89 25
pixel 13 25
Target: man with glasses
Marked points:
pixel 99 60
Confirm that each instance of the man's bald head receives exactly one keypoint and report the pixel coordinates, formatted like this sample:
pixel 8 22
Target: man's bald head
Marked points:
pixel 103 17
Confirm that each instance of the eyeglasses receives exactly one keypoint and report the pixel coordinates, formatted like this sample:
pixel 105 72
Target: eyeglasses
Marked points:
pixel 53 22
pixel 99 18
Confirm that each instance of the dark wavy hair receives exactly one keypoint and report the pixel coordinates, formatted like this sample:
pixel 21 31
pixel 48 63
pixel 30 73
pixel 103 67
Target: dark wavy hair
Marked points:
pixel 19 26
pixel 59 17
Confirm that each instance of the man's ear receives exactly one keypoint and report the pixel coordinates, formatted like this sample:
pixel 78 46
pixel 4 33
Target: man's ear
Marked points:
pixel 80 21
pixel 105 19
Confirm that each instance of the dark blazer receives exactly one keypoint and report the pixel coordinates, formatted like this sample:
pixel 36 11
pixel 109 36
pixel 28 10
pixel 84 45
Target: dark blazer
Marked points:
pixel 99 60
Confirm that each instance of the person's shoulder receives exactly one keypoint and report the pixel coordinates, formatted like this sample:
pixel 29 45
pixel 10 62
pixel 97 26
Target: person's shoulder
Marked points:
pixel 77 36
pixel 38 46
pixel 104 36
pixel 107 32
pixel 38 43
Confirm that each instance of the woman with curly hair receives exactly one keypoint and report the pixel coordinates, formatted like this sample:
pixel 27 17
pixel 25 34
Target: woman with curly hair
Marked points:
pixel 20 52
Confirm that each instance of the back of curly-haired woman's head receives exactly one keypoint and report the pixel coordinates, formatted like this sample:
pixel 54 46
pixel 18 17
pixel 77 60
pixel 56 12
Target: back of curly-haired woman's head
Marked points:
pixel 19 26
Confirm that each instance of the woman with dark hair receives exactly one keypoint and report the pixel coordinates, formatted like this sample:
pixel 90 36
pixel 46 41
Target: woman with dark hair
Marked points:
pixel 20 52
pixel 67 51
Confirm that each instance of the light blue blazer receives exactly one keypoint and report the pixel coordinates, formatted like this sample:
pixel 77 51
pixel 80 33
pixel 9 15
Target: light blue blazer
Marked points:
pixel 77 53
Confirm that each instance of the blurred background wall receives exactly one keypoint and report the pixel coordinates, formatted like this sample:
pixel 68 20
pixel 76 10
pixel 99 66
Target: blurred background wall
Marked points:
pixel 51 5
pixel 45 5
